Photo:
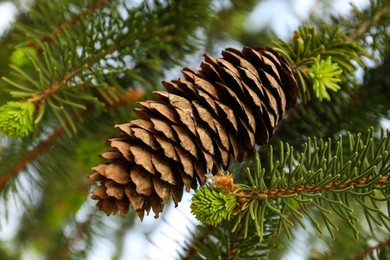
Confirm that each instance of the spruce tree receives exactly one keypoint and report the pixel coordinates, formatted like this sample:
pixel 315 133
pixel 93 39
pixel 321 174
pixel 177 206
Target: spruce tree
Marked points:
pixel 273 141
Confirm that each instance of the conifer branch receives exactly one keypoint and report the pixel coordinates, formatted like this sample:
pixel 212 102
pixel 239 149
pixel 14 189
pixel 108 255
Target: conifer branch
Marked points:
pixel 369 251
pixel 321 58
pixel 30 156
pixel 58 93
pixel 34 153
pixel 313 188
pixel 73 73
pixel 221 243
pixel 366 25
pixel 69 75
pixel 191 249
pixel 66 24
pixel 319 176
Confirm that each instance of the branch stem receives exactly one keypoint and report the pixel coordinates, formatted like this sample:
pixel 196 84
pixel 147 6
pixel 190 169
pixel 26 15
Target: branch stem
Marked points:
pixel 371 250
pixel 366 25
pixel 311 188
pixel 50 140
pixel 34 153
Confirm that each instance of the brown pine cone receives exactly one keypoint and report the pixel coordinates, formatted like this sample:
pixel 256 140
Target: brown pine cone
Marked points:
pixel 201 123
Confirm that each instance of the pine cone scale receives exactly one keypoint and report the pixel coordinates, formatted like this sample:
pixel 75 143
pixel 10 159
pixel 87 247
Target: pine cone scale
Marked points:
pixel 278 94
pixel 142 157
pixel 270 106
pixel 164 128
pixel 268 73
pixel 241 109
pixel 201 84
pixel 168 147
pixel 205 139
pixel 111 155
pixel 117 173
pixel 211 72
pixel 114 190
pixel 186 141
pixel 144 124
pixel 227 113
pixel 122 147
pixel 137 200
pixel 162 189
pixel 207 100
pixel 162 166
pixel 204 116
pixel 235 92
pixel 222 133
pixel 185 161
pixel 142 181
pixel 146 137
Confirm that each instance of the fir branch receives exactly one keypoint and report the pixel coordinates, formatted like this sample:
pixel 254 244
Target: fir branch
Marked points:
pixel 352 104
pixel 66 24
pixel 352 109
pixel 314 188
pixel 309 46
pixel 35 152
pixel 73 72
pixel 365 26
pixel 45 96
pixel 221 243
pixel 369 251
pixel 71 81
pixel 321 176
pixel 51 139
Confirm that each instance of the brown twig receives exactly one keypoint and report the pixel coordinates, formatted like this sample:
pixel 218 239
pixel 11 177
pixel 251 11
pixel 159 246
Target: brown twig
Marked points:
pixel 34 153
pixel 365 26
pixel 45 144
pixel 312 187
pixel 371 250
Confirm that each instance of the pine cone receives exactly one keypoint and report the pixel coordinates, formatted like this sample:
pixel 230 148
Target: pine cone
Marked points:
pixel 213 116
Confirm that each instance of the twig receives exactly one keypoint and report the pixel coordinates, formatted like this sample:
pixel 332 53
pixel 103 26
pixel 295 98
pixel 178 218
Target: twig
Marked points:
pixel 365 26
pixel 371 250
pixel 312 188
pixel 34 153
pixel 45 144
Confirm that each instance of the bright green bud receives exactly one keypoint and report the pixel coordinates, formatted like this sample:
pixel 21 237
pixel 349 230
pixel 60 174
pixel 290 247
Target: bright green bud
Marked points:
pixel 325 74
pixel 211 206
pixel 20 56
pixel 16 118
